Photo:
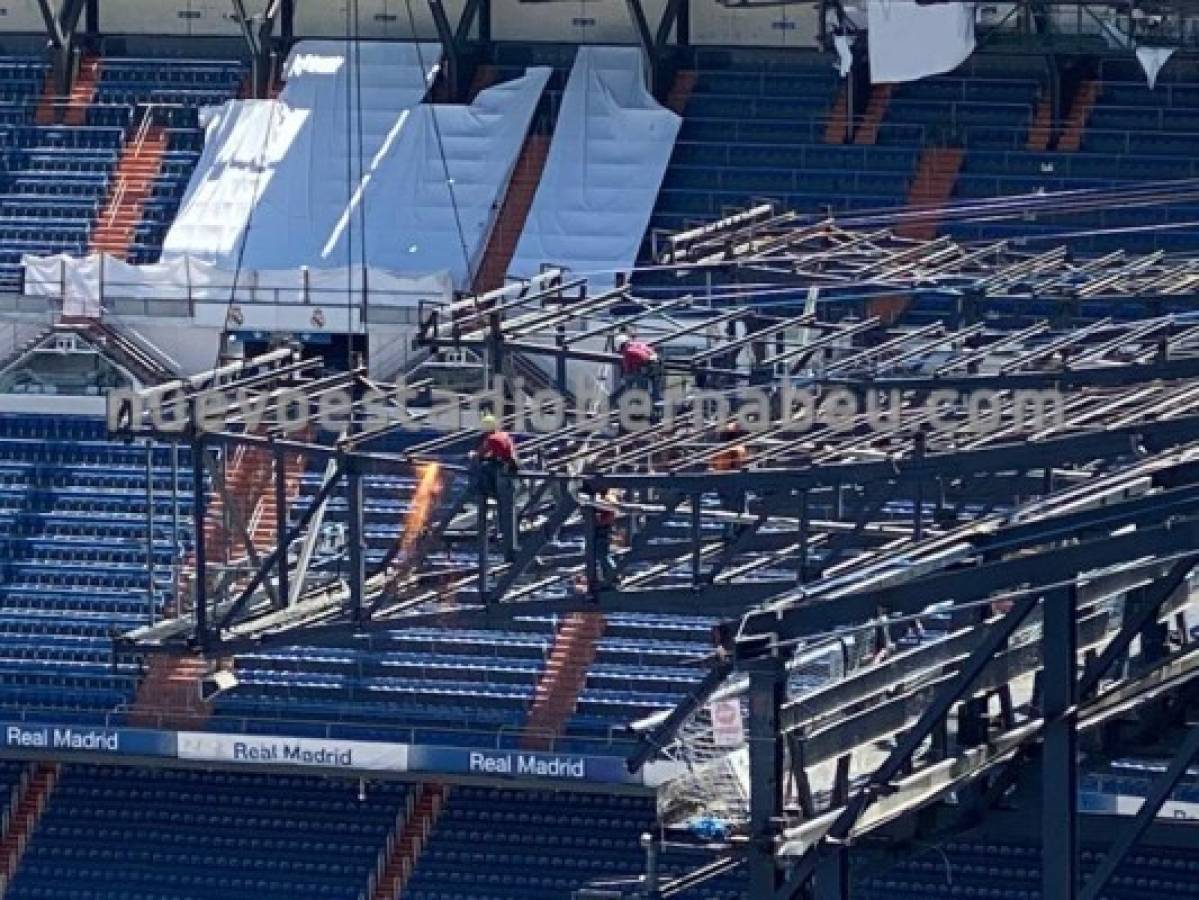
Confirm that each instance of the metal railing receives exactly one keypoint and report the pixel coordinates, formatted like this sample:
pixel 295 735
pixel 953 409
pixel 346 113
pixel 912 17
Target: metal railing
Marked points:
pixel 383 858
pixel 122 187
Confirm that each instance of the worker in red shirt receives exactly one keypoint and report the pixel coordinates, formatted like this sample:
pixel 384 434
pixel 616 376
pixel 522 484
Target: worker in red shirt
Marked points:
pixel 496 462
pixel 640 367
pixel 495 455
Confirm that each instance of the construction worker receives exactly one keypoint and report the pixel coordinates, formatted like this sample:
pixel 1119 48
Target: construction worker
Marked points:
pixel 496 463
pixel 495 455
pixel 605 521
pixel 732 457
pixel 640 368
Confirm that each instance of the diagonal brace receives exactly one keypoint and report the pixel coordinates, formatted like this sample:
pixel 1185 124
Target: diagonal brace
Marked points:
pixel 880 781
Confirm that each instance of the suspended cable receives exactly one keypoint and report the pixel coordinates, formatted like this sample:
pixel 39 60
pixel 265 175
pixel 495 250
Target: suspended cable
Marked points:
pixel 362 219
pixel 255 196
pixel 445 166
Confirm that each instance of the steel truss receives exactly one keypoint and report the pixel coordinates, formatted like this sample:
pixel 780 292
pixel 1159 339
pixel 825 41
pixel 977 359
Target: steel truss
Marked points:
pixel 1056 540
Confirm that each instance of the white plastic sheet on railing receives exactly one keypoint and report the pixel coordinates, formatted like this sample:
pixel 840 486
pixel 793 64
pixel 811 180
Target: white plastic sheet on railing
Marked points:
pixel 88 284
pixel 606 162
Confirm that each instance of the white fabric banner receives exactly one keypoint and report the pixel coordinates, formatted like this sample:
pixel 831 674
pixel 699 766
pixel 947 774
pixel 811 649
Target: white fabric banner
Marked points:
pixel 324 754
pixel 908 41
pixel 283 176
pixel 1152 59
pixel 282 184
pixel 606 162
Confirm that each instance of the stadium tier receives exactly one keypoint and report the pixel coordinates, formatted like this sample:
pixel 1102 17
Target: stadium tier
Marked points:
pixel 254 643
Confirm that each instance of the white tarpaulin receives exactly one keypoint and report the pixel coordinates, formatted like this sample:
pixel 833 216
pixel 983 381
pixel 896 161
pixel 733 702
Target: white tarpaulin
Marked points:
pixel 908 41
pixel 279 185
pixel 422 221
pixel 606 162
pixel 269 217
pixel 280 174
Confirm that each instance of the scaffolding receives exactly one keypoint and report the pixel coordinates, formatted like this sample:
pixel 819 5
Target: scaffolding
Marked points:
pixel 1036 484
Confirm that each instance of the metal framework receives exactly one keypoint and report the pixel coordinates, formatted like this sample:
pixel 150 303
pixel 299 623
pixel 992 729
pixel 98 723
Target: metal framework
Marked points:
pixel 1054 539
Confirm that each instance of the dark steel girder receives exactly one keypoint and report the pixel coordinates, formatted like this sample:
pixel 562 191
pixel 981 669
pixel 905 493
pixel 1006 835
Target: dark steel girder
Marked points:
pixel 1021 456
pixel 974 582
pixel 880 780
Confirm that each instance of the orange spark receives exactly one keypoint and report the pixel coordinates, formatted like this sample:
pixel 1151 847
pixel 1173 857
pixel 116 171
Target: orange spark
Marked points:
pixel 428 489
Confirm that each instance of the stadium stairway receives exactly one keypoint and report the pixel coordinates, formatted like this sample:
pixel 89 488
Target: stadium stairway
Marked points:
pixel 876 111
pixel 47 110
pixel 556 696
pixel 264 521
pixel 408 841
pixel 247 477
pixel 1070 140
pixel 680 90
pixel 83 91
pixel 169 695
pixel 31 796
pixel 1040 132
pixel 837 129
pixel 936 175
pixel 501 244
pixel 137 169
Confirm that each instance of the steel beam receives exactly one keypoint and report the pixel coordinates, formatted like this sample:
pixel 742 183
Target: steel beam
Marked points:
pixel 199 514
pixel 150 592
pixel 264 569
pixel 357 540
pixel 879 782
pixel 664 732
pixel 281 563
pixel 767 689
pixel 978 581
pixel 449 46
pixel 1059 767
pixel 1143 613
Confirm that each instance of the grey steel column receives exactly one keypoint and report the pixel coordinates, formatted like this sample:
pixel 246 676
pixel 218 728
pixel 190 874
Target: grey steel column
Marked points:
pixel 767 688
pixel 1059 765
pixel 281 524
pixel 357 573
pixel 198 514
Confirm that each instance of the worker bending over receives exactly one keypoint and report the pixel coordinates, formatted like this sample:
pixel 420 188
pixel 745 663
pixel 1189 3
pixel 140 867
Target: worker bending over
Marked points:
pixel 640 367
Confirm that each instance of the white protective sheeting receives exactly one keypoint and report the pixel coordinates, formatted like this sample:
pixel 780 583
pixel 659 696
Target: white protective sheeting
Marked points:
pixel 87 284
pixel 273 188
pixel 908 41
pixel 280 174
pixel 606 162
pixel 413 225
